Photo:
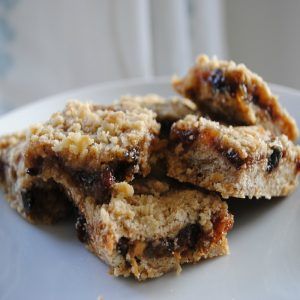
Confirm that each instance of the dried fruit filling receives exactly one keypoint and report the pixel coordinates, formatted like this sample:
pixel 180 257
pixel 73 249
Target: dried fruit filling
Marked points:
pixel 188 238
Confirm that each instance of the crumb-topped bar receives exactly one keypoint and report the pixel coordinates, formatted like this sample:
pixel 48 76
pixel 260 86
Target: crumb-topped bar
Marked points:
pixel 96 145
pixel 232 93
pixel 144 229
pixel 88 136
pixel 147 235
pixel 246 161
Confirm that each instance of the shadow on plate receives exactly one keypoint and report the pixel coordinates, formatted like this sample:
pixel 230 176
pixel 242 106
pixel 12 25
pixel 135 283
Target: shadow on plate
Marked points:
pixel 249 210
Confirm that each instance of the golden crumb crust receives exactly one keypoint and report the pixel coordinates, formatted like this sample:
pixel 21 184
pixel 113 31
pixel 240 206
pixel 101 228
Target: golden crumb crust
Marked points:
pixel 147 235
pixel 231 92
pixel 86 135
pixel 171 109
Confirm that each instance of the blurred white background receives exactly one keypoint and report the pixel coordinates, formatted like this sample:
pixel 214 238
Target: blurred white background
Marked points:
pixel 47 47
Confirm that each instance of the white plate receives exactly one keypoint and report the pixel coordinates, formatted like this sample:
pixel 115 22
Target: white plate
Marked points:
pixel 47 262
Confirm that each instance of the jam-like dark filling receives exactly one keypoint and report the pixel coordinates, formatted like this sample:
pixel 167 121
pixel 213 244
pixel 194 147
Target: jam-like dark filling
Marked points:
pixel 97 184
pixel 36 168
pixel 298 166
pixel 165 128
pixel 187 239
pixel 223 84
pixel 232 156
pixel 186 137
pixel 274 159
pixel 46 201
pixel 1 170
pixel 160 248
pixel 123 246
pixel 81 229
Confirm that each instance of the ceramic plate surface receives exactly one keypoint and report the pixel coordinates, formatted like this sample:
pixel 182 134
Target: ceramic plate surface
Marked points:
pixel 48 262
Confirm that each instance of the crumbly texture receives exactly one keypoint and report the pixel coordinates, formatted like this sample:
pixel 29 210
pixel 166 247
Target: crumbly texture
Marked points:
pixel 145 229
pixel 232 93
pixel 148 234
pixel 89 136
pixel 171 109
pixel 246 161
pixel 167 111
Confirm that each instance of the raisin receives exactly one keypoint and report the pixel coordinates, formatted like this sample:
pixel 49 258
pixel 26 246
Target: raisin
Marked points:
pixel 28 201
pixel 123 246
pixel 81 229
pixel 33 171
pixel 233 86
pixel 36 168
pixel 161 248
pixel 217 80
pixel 97 184
pixel 122 169
pixel 223 84
pixel 189 236
pixel 274 159
pixel 1 170
pixel 186 137
pixel 107 178
pixel 298 166
pixel 234 158
pixel 165 128
pixel 256 99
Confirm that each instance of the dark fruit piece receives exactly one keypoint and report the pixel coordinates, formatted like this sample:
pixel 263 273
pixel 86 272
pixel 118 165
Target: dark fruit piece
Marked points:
pixel 189 236
pixel 107 178
pixel 1 170
pixel 33 171
pixel 122 169
pixel 217 80
pixel 186 137
pixel 234 158
pixel 81 229
pixel 97 184
pixel 161 248
pixel 221 84
pixel 274 159
pixel 123 246
pixel 298 166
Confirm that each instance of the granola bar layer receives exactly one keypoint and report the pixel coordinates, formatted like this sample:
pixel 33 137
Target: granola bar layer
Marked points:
pixel 94 143
pixel 231 92
pixel 246 161
pixel 144 233
pixel 147 235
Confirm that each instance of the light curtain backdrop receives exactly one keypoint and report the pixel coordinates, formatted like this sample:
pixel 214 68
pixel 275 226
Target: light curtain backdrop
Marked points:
pixel 50 46
pixel 47 47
